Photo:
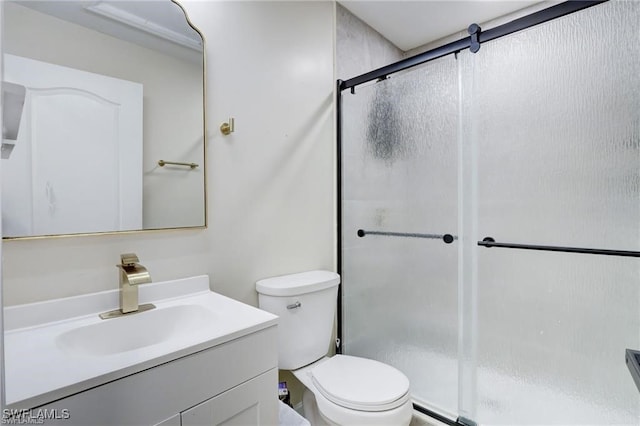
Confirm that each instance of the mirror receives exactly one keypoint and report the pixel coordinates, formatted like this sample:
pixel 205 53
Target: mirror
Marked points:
pixel 97 95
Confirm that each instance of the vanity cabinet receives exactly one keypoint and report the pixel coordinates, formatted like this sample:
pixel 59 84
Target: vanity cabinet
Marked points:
pixel 232 383
pixel 246 404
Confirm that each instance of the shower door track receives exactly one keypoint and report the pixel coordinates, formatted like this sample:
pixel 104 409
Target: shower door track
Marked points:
pixel 474 41
pixel 476 38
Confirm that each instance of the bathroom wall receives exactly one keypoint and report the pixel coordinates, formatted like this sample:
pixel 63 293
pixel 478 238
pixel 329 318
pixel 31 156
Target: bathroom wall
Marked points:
pixel 165 197
pixel 360 48
pixel 270 184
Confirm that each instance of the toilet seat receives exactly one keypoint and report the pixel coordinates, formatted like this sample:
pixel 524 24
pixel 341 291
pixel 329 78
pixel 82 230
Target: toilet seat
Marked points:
pixel 361 384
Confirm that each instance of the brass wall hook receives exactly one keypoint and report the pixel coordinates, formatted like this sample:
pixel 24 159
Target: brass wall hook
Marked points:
pixel 229 127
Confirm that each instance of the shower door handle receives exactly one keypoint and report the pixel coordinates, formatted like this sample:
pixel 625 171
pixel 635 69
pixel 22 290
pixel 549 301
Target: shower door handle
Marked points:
pixel 447 238
pixel 489 242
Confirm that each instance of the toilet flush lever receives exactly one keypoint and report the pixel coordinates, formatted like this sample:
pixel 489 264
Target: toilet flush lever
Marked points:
pixel 294 305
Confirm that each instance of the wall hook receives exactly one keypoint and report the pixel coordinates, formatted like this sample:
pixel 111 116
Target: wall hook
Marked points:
pixel 229 127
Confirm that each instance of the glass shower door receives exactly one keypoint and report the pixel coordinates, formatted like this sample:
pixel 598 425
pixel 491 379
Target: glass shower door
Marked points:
pixel 553 116
pixel 399 196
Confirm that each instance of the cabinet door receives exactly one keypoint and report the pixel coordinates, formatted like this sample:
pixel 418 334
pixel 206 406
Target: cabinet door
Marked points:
pixel 254 402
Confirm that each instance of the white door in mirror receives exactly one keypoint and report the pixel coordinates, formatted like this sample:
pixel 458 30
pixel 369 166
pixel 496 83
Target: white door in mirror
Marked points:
pixel 83 131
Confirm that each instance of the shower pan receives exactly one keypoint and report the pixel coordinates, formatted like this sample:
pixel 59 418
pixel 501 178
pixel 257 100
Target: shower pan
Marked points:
pixel 490 219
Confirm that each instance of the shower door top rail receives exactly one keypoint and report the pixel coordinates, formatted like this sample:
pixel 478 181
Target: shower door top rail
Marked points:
pixel 489 242
pixel 475 39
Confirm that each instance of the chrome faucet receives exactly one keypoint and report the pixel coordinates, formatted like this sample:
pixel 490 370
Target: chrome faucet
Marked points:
pixel 132 274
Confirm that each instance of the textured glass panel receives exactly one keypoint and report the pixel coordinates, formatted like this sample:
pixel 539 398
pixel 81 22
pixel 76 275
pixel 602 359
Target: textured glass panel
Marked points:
pixel 399 175
pixel 554 116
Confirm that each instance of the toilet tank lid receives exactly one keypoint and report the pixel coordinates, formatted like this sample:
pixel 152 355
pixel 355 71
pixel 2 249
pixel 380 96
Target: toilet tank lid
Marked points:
pixel 296 284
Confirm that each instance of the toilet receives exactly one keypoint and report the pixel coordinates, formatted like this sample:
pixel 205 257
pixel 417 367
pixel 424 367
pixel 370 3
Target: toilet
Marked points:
pixel 340 390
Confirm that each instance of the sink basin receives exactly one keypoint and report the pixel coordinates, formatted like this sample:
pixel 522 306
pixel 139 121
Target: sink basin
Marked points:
pixel 69 348
pixel 135 331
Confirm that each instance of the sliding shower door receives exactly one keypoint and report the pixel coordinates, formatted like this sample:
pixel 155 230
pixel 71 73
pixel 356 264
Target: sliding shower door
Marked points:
pixel 533 142
pixel 399 197
pixel 553 116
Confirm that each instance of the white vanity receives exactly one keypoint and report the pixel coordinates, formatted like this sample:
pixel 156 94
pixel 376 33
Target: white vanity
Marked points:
pixel 197 358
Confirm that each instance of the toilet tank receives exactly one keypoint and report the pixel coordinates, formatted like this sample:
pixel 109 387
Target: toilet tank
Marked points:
pixel 306 305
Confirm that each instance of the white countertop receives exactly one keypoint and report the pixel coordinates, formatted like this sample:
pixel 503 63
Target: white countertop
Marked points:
pixel 38 369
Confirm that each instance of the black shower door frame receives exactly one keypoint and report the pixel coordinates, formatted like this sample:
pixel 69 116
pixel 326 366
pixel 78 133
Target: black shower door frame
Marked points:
pixel 473 42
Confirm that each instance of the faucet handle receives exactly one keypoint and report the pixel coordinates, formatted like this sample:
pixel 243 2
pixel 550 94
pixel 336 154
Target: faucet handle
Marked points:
pixel 128 259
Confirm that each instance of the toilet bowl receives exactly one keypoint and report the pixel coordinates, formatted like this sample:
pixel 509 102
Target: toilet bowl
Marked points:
pixel 349 390
pixel 340 390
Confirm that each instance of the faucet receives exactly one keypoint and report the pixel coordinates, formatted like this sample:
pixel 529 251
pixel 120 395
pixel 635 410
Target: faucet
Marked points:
pixel 132 274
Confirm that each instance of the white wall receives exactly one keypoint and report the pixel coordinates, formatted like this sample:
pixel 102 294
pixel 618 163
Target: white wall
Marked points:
pixel 270 184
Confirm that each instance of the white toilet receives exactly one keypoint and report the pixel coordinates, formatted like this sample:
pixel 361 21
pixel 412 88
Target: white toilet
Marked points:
pixel 340 390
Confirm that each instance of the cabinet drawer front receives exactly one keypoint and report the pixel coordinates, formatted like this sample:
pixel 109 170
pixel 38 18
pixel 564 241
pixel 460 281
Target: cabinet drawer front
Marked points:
pixel 252 403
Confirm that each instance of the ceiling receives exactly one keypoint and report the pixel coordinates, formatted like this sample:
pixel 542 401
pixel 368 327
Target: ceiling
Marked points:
pixel 155 24
pixel 410 24
pixel 405 23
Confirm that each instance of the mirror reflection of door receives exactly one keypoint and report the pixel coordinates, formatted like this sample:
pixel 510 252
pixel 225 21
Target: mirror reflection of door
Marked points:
pixel 147 42
pixel 77 165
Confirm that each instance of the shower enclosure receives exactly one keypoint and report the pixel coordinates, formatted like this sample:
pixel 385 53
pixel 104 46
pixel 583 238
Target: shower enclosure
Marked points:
pixel 490 220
